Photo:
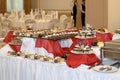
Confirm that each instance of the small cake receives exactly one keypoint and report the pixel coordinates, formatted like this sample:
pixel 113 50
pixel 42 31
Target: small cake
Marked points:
pixel 35 56
pixel 11 53
pixel 59 60
pixel 49 59
pixel 32 56
pixel 40 57
pixel 29 56
pixel 18 53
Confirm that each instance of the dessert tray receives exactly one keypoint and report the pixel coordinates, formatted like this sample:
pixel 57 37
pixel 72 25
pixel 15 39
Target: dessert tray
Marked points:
pixel 105 68
pixel 46 34
pixel 82 49
pixel 86 33
pixel 81 52
pixel 60 35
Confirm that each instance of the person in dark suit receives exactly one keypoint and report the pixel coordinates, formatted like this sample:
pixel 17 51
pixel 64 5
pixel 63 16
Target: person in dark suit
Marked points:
pixel 83 13
pixel 74 11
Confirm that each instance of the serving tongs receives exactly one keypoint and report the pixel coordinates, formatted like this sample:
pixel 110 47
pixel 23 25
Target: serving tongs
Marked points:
pixel 93 66
pixel 108 68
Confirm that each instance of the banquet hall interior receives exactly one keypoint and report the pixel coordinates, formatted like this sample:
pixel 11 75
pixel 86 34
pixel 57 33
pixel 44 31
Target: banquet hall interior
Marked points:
pixel 39 40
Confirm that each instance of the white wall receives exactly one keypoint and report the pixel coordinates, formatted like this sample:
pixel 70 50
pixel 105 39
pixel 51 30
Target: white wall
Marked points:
pixel 103 13
pixel 95 13
pixel 55 4
pixel 63 5
pixel 113 14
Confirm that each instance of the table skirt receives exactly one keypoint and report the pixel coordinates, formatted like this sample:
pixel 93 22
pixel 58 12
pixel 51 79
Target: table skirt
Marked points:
pixel 17 68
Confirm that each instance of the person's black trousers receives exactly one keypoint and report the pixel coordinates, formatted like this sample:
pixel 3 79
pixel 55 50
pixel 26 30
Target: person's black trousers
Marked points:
pixel 83 19
pixel 74 18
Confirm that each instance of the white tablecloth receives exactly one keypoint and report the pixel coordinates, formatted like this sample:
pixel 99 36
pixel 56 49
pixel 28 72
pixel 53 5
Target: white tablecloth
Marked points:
pixel 28 45
pixel 116 36
pixel 66 43
pixel 17 68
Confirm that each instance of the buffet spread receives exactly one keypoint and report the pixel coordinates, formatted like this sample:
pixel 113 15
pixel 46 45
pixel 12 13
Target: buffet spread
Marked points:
pixel 80 54
pixel 46 42
pixel 82 39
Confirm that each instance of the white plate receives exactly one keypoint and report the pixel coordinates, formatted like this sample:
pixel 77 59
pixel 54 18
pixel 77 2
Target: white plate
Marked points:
pixel 105 68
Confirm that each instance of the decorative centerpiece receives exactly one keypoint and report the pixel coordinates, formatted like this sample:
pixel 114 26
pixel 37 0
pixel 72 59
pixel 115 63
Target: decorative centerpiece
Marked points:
pixel 59 60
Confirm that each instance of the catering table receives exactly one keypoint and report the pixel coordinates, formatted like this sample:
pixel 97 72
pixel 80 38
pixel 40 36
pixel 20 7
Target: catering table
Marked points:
pixel 55 47
pixel 18 68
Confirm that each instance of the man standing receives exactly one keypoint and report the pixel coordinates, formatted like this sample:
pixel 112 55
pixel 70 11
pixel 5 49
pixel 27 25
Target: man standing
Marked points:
pixel 74 11
pixel 83 13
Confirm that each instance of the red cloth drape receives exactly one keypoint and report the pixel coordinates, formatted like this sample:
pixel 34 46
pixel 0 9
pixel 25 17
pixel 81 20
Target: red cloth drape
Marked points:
pixel 75 60
pixel 87 41
pixel 16 48
pixel 104 36
pixel 9 37
pixel 52 46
